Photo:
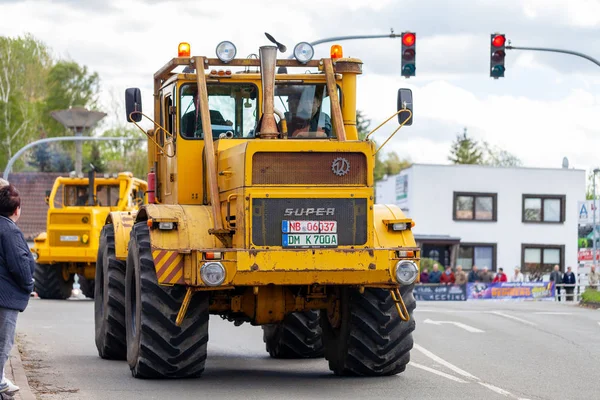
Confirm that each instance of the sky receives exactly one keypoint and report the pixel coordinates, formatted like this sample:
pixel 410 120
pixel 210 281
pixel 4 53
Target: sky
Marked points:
pixel 545 108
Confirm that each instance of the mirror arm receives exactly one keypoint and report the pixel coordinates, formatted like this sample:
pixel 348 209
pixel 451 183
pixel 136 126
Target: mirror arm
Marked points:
pixel 155 124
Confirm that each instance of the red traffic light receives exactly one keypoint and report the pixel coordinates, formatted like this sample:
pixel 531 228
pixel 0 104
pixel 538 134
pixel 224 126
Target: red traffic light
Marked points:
pixel 408 39
pixel 498 41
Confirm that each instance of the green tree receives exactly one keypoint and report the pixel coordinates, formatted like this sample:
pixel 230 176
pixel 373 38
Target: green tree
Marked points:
pixel 69 84
pixel 24 64
pixel 392 164
pixel 465 150
pixel 95 159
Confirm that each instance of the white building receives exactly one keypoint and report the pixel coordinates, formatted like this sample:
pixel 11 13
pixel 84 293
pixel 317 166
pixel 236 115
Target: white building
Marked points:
pixel 491 216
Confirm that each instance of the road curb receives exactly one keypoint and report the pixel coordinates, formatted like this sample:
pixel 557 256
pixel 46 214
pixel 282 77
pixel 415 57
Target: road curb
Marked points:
pixel 20 378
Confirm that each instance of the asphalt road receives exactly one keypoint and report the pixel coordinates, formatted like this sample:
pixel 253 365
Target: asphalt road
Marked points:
pixel 463 350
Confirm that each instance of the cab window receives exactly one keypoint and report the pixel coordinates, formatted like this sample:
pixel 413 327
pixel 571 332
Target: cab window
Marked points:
pixel 107 195
pixel 76 195
pixel 233 110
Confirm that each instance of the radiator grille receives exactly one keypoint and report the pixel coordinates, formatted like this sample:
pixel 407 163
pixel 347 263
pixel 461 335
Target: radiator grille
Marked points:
pixel 268 214
pixel 304 168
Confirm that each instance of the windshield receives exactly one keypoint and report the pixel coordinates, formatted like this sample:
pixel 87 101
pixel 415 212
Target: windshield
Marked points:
pixel 233 110
pixel 78 195
pixel 307 109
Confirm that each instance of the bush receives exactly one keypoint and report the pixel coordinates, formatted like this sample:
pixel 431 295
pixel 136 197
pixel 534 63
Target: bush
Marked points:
pixel 591 296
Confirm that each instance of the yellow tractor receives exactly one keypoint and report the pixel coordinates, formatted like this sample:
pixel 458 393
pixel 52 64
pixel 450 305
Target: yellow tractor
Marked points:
pixel 260 210
pixel 78 208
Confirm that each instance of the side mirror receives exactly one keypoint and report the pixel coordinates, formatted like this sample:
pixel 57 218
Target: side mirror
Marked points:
pixel 133 102
pixel 47 199
pixel 405 102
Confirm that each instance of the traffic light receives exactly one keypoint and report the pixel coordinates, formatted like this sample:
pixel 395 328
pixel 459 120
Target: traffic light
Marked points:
pixel 409 40
pixel 497 55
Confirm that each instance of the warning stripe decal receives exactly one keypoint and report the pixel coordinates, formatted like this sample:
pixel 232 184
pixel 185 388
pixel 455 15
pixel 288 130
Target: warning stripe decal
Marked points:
pixel 169 266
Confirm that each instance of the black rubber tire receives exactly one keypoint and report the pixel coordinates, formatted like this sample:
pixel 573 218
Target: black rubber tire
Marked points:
pixel 297 336
pixel 87 286
pixel 109 299
pixel 49 282
pixel 156 346
pixel 371 339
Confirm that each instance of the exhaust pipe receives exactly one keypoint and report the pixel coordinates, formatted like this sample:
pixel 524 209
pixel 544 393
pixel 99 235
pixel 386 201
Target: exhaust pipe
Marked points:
pixel 268 60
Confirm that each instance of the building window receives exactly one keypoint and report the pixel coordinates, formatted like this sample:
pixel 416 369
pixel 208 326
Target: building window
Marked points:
pixel 475 206
pixel 543 208
pixel 483 255
pixel 540 259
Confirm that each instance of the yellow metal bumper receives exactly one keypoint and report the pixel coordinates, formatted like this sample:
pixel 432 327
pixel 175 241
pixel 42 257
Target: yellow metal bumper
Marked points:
pixel 285 267
pixel 49 255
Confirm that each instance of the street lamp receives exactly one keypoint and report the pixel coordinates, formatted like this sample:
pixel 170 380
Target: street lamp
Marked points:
pixel 594 216
pixel 78 119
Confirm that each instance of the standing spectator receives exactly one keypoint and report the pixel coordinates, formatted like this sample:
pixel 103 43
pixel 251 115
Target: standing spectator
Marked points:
pixel 518 276
pixel 460 276
pixel 557 278
pixel 485 276
pixel 500 276
pixel 593 278
pixel 569 279
pixel 435 275
pixel 447 277
pixel 16 275
pixel 474 275
pixel 424 276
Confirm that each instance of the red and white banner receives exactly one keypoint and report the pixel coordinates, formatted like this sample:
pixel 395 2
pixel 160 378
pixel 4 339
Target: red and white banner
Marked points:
pixel 587 254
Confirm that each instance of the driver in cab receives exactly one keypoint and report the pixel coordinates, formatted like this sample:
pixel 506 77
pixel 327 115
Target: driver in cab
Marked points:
pixel 305 119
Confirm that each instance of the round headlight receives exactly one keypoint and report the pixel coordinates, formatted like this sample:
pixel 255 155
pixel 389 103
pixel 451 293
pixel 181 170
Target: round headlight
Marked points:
pixel 406 272
pixel 35 255
pixel 212 273
pixel 304 52
pixel 226 51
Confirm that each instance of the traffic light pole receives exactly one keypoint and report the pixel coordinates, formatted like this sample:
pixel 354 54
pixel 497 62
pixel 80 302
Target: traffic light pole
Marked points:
pixel 575 53
pixel 390 35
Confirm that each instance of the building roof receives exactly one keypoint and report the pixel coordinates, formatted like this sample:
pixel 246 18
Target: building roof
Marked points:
pixel 492 166
pixel 32 187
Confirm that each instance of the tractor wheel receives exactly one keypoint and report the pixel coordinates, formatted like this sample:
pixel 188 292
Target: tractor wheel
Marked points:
pixel 156 346
pixel 87 286
pixel 109 299
pixel 368 338
pixel 297 336
pixel 50 283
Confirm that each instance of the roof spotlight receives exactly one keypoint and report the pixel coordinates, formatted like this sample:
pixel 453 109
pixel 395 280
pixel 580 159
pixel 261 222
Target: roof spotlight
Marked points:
pixel 226 51
pixel 304 52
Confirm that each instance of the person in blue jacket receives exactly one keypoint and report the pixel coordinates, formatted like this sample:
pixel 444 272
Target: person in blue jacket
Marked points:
pixel 16 275
pixel 435 275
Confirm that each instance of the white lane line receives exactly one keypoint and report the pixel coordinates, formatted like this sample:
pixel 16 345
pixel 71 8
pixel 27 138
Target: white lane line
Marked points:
pixel 466 327
pixel 523 321
pixel 435 371
pixel 445 363
pixel 496 389
pixel 459 371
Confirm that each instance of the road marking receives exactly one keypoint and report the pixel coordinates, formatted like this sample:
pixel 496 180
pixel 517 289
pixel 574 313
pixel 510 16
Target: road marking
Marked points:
pixel 435 371
pixel 459 324
pixel 445 363
pixel 495 389
pixel 513 318
pixel 459 371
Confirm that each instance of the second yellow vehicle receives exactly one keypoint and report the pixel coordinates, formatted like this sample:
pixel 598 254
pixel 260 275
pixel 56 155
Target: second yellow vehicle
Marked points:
pixel 78 208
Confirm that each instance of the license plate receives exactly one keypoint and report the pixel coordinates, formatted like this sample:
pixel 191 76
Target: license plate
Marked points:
pixel 309 226
pixel 69 238
pixel 310 240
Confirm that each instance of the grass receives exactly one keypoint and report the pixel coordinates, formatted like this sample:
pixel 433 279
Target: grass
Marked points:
pixel 591 296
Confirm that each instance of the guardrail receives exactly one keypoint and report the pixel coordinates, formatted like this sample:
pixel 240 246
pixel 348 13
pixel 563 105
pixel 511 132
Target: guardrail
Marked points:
pixel 570 292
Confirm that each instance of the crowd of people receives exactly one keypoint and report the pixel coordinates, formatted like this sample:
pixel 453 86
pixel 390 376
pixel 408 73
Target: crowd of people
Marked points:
pixel 564 280
pixel 460 277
